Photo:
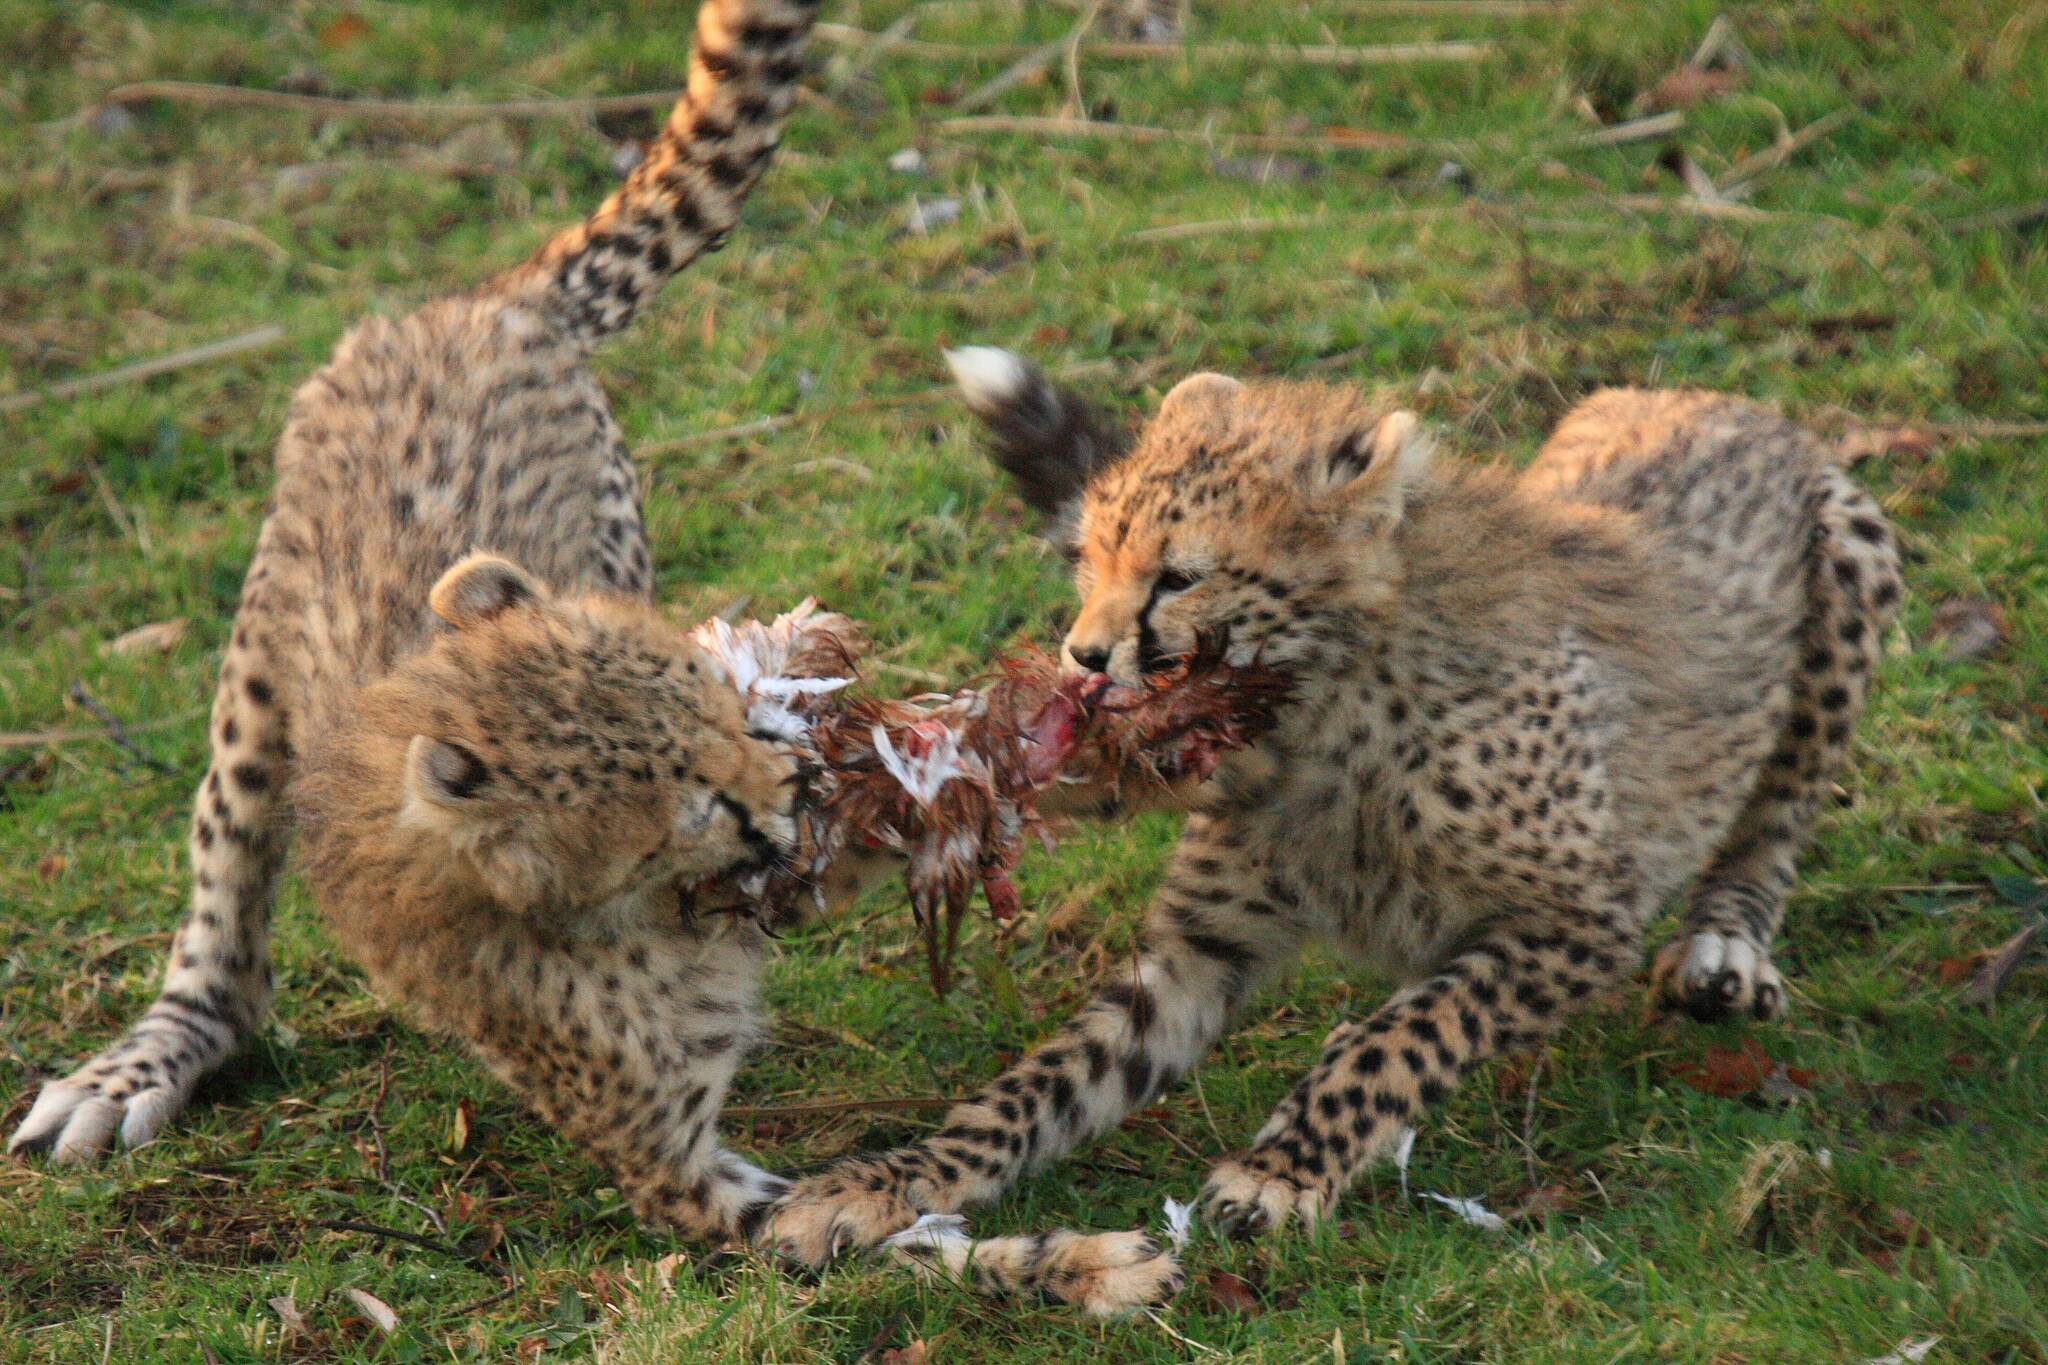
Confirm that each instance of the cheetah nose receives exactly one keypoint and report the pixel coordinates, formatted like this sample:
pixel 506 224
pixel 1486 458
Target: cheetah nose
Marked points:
pixel 1093 658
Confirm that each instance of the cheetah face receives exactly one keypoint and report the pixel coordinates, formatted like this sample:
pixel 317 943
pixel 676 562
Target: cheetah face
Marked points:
pixel 580 751
pixel 1250 516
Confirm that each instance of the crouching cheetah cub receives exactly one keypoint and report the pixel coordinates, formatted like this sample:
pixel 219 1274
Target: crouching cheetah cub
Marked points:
pixel 1529 711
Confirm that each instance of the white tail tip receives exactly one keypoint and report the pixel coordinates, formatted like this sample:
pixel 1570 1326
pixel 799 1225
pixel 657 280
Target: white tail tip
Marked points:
pixel 988 375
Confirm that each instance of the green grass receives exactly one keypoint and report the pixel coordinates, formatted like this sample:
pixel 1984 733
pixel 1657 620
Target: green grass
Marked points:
pixel 1906 1196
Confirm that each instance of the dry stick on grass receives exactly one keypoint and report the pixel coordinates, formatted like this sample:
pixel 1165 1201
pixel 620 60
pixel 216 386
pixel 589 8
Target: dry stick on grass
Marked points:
pixel 36 739
pixel 254 340
pixel 383 110
pixel 1759 164
pixel 1025 68
pixel 763 426
pixel 1635 130
pixel 1315 54
pixel 1353 141
pixel 116 731
pixel 1999 967
pixel 2019 216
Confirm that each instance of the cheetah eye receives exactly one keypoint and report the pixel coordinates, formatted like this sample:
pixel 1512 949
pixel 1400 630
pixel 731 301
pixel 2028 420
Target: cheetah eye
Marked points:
pixel 1171 581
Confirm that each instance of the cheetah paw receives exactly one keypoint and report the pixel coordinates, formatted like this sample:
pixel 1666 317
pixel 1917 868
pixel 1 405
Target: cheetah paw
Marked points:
pixel 827 1215
pixel 1112 1273
pixel 1713 976
pixel 78 1119
pixel 1243 1201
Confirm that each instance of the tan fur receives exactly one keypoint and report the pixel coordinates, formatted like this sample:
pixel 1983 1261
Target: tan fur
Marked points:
pixel 1531 711
pixel 449 736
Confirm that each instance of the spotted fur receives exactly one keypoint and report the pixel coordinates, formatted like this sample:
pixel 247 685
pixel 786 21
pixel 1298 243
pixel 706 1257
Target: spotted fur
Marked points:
pixel 1531 711
pixel 502 766
pixel 476 422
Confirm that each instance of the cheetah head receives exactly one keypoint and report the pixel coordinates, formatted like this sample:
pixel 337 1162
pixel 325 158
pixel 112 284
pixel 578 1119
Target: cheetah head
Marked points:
pixel 1258 515
pixel 567 752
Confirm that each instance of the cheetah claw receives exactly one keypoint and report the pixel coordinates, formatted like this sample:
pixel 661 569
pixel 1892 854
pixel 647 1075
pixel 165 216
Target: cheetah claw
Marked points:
pixel 1714 976
pixel 825 1217
pixel 1244 1202
pixel 80 1118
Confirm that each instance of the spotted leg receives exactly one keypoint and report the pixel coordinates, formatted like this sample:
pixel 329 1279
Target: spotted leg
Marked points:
pixel 1377 1077
pixel 1217 927
pixel 217 983
pixel 1720 963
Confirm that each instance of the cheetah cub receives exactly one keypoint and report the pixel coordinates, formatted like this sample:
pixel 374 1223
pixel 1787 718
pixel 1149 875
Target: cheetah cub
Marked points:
pixel 1530 710
pixel 477 422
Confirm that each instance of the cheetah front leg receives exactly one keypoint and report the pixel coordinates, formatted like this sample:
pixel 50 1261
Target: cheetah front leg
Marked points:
pixel 1376 1078
pixel 1218 926
pixel 217 982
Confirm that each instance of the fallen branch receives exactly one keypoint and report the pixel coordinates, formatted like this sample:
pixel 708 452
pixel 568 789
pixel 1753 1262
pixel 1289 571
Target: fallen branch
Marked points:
pixel 1349 141
pixel 255 340
pixel 1757 164
pixel 1221 227
pixel 1491 9
pixel 1635 130
pixel 2019 216
pixel 385 110
pixel 1315 54
pixel 116 731
pixel 762 426
pixel 35 739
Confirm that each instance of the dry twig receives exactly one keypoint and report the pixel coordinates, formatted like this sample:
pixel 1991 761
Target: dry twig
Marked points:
pixel 116 731
pixel 253 340
pixel 1353 140
pixel 382 110
pixel 1314 54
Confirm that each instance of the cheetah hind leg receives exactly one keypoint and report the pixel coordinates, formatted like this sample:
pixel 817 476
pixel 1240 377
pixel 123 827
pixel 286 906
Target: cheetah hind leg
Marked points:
pixel 1720 963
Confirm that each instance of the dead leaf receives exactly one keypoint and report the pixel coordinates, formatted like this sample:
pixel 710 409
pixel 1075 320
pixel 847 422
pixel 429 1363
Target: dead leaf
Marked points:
pixel 1860 443
pixel 1968 627
pixel 1230 1293
pixel 665 1270
pixel 1364 137
pixel 1786 1085
pixel 50 867
pixel 913 1354
pixel 1956 970
pixel 1541 1202
pixel 343 30
pixel 64 485
pixel 1999 966
pixel 1688 85
pixel 158 637
pixel 287 1310
pixel 458 1129
pixel 375 1309
pixel 1728 1072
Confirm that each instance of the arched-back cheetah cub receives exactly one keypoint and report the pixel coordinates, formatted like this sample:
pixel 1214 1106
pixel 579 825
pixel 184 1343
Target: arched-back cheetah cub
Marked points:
pixel 1530 710
pixel 473 422
pixel 500 789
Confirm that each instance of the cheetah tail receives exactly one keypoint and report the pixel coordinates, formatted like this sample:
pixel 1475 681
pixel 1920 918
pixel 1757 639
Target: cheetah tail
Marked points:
pixel 1104 1274
pixel 1049 439
pixel 685 194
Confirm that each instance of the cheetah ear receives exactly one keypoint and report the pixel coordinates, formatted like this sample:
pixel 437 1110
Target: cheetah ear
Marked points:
pixel 443 773
pixel 479 587
pixel 1373 470
pixel 1199 393
pixel 444 786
